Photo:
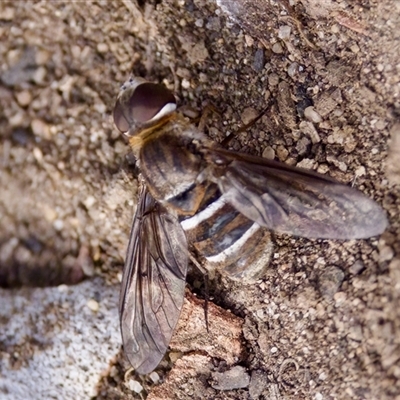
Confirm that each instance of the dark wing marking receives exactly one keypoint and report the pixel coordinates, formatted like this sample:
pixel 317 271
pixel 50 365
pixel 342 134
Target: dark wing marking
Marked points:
pixel 153 283
pixel 293 200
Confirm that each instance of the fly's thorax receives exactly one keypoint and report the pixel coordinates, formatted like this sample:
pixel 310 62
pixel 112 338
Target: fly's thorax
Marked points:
pixel 227 240
pixel 173 168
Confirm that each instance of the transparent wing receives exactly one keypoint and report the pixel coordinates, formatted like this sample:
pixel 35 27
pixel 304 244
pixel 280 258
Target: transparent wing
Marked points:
pixel 293 200
pixel 153 284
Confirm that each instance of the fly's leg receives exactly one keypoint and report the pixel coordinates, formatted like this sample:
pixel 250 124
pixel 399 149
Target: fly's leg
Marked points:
pixel 244 128
pixel 204 272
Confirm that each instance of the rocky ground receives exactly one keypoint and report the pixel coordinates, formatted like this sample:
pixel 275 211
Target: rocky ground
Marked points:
pixel 324 321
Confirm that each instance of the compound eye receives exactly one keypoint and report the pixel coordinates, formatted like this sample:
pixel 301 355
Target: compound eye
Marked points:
pixel 147 102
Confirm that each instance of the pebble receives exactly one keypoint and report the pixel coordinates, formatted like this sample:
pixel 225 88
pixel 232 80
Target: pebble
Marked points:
pixel 39 75
pixel 357 267
pixel 58 224
pixel 154 377
pixel 259 60
pixel 386 253
pixel 284 32
pixel 24 98
pixel 199 23
pixel 277 48
pixel 93 305
pixel 185 84
pixel 322 376
pixel 282 153
pixel 269 153
pixel 273 79
pixel 37 153
pixel 133 385
pixel 248 115
pixel 293 69
pixel 360 171
pixel 235 378
pixel 7 13
pixel 340 298
pixel 249 40
pixel 355 333
pixel 330 281
pixel 42 57
pixel 102 48
pixel 258 383
pixel 306 163
pixel 308 129
pixel 41 129
pixel 312 115
pixel 89 202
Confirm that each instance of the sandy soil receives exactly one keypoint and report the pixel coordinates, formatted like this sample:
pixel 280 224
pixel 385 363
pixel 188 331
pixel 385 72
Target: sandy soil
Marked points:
pixel 324 323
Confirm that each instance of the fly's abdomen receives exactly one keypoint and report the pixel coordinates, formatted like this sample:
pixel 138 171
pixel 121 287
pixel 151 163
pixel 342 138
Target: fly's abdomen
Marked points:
pixel 229 241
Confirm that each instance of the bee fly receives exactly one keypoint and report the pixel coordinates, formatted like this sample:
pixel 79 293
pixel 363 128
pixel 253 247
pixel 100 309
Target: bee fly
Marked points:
pixel 220 201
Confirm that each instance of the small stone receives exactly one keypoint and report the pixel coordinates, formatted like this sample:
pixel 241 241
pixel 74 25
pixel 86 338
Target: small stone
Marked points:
pixel 259 60
pixel 154 377
pixel 312 115
pixel 214 23
pixel 380 124
pixel 7 249
pixel 322 376
pixel 340 298
pixel 89 202
pixel 185 84
pixel 330 281
pixel 360 171
pixel 198 53
pixel 39 75
pixel 335 28
pixel 235 378
pixel 306 163
pixel 277 48
pixel 58 225
pixel 248 115
pixel 354 48
pixel 326 102
pixel 308 129
pixel 282 153
pixel 42 57
pixel 355 333
pixel 24 98
pixel 293 69
pixel 199 22
pixel 41 129
pixel 269 153
pixel 284 32
pixel 273 79
pixel 133 385
pixel 258 383
pixel 386 253
pixel 93 305
pixel 249 40
pixel 174 356
pixel 7 13
pixel 302 146
pixel 357 268
pixel 37 153
pixel 102 48
pixel 394 273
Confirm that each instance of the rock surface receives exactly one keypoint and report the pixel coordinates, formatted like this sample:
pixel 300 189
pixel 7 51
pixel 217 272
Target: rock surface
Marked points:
pixel 68 191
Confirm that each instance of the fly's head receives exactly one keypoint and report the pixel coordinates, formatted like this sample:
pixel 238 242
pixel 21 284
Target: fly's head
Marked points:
pixel 142 105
